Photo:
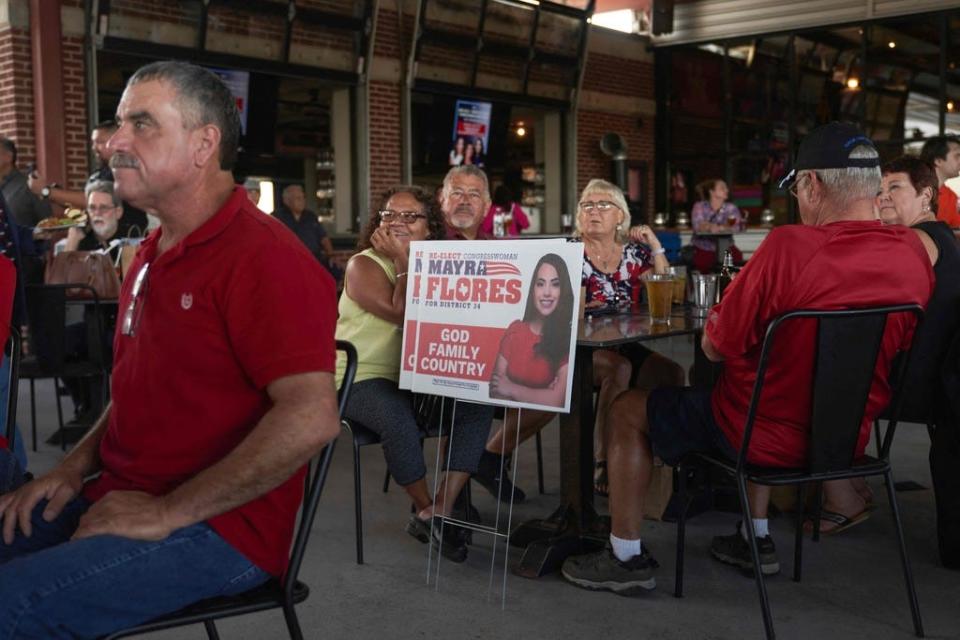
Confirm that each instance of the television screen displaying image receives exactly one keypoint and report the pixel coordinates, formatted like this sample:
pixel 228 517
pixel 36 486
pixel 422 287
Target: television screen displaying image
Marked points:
pixel 471 133
pixel 439 120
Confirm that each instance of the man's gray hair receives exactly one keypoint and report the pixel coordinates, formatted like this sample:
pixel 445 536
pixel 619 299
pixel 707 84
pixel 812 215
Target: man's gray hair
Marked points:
pixel 202 99
pixel 102 186
pixel 845 186
pixel 466 170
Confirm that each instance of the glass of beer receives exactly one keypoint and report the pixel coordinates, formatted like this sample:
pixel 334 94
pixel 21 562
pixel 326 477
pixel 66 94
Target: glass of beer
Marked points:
pixel 659 296
pixel 679 284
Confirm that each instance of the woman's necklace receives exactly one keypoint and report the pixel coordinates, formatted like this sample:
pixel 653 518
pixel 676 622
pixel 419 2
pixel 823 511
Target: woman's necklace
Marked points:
pixel 603 258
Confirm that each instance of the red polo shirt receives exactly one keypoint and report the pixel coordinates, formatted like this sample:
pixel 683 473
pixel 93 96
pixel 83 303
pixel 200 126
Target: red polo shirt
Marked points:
pixel 947 207
pixel 8 289
pixel 236 305
pixel 835 266
pixel 455 234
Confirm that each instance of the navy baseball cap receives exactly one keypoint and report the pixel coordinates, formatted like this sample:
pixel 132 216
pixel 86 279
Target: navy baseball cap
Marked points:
pixel 829 147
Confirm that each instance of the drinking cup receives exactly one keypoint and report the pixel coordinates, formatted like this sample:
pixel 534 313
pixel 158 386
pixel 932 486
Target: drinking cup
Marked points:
pixel 659 296
pixel 704 292
pixel 679 284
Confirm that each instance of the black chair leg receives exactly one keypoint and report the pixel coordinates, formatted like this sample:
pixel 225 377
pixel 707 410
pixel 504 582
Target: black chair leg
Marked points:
pixel 386 481
pixel 539 446
pixel 755 555
pixel 357 506
pixel 680 488
pixel 63 436
pixel 930 429
pixel 211 628
pixel 904 560
pixel 817 508
pixel 876 436
pixel 33 414
pixel 293 625
pixel 798 536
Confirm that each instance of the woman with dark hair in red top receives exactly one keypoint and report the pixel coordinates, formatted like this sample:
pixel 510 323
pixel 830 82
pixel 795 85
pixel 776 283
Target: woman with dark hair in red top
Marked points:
pixel 532 363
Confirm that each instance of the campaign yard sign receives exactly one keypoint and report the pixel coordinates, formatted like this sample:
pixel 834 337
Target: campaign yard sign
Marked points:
pixel 493 322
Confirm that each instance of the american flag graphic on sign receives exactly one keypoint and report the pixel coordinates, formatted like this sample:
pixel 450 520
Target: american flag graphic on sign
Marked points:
pixel 501 269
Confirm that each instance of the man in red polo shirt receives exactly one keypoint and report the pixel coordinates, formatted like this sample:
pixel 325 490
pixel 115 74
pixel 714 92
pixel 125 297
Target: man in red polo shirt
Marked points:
pixel 222 392
pixel 839 258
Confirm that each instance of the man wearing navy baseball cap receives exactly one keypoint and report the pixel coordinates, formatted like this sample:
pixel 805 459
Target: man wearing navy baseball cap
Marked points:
pixel 840 257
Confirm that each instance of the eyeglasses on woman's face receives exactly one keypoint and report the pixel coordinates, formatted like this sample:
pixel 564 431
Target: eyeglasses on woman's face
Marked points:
pixel 603 206
pixel 406 217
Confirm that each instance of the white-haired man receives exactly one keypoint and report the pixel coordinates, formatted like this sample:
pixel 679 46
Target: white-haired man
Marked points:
pixel 841 256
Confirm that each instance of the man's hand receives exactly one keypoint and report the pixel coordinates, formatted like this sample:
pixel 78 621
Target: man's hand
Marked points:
pixel 35 182
pixel 131 514
pixel 57 487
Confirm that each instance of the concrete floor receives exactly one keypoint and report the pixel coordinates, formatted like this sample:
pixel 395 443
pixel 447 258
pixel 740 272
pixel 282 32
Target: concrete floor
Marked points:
pixel 852 586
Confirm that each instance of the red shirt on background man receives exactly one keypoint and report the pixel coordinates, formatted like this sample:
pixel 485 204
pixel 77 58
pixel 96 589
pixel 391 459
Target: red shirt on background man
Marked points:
pixel 947 207
pixel 834 266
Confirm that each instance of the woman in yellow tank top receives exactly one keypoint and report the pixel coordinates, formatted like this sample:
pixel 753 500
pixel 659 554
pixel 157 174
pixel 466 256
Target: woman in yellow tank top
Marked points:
pixel 371 317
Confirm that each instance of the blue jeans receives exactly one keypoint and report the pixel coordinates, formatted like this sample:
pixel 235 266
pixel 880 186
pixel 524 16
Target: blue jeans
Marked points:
pixel 52 587
pixel 19 449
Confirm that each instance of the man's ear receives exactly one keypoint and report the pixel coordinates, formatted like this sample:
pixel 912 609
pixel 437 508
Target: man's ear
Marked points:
pixel 208 145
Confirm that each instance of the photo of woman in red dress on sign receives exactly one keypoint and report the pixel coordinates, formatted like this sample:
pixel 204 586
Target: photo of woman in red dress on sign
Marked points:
pixel 532 363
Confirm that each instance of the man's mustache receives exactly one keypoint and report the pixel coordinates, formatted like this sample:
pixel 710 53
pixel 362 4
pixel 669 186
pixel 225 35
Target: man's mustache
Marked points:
pixel 123 161
pixel 464 208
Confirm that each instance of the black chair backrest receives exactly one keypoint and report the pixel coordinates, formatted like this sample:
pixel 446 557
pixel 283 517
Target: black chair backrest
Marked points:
pixel 847 346
pixel 12 351
pixel 46 316
pixel 317 475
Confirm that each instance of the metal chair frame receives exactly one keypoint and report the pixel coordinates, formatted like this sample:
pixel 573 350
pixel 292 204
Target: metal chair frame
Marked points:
pixel 35 368
pixel 866 328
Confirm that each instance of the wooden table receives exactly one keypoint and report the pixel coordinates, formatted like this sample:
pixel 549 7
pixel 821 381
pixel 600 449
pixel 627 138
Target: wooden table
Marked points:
pixel 575 526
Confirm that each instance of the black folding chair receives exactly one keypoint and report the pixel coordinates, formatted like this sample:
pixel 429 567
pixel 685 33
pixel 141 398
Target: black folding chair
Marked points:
pixel 847 345
pixel 275 594
pixel 46 313
pixel 12 351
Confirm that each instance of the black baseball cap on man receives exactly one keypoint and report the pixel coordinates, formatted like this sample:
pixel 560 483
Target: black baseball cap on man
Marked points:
pixel 829 147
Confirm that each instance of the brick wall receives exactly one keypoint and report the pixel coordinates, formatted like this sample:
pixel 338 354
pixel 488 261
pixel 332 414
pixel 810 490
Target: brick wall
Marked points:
pixel 16 93
pixel 593 163
pixel 385 156
pixel 75 111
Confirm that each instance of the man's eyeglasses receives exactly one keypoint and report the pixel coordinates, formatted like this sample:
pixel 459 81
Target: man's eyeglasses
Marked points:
pixel 795 187
pixel 131 317
pixel 407 217
pixel 602 206
pixel 101 208
pixel 460 194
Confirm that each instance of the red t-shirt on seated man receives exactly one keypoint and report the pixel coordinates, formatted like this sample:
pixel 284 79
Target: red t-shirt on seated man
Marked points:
pixel 835 266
